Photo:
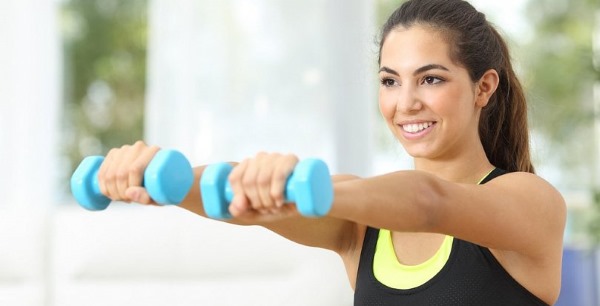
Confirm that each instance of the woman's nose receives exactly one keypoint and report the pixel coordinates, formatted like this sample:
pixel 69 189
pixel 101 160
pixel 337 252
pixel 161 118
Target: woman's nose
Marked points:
pixel 408 101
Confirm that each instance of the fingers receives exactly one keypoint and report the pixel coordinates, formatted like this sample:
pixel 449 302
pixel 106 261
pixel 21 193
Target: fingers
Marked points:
pixel 239 203
pixel 279 180
pixel 121 174
pixel 140 158
pixel 107 173
pixel 250 183
pixel 259 183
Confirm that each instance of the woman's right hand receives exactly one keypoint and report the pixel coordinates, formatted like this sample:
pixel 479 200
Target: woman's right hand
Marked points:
pixel 121 174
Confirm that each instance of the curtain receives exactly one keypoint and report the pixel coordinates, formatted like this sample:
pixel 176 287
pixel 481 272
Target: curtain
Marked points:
pixel 227 79
pixel 30 85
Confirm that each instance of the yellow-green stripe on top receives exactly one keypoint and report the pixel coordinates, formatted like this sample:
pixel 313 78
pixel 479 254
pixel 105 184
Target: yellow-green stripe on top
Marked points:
pixel 393 274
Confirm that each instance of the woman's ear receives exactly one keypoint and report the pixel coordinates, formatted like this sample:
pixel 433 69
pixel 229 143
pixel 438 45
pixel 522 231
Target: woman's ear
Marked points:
pixel 486 86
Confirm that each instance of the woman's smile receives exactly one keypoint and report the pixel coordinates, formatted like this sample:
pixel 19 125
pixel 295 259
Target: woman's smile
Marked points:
pixel 414 130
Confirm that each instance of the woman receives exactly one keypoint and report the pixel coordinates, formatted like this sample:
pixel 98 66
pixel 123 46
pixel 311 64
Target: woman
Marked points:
pixel 471 225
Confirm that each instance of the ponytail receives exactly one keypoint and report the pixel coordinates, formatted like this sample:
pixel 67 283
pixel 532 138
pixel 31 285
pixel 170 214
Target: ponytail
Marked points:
pixel 503 127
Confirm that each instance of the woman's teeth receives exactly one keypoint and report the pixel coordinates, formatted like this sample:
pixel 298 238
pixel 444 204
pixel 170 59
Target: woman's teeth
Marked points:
pixel 416 127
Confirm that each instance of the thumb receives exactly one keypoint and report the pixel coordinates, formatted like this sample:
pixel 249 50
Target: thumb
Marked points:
pixel 139 195
pixel 239 207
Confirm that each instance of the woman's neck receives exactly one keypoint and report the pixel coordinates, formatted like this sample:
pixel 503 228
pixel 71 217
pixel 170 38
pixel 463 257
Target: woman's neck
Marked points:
pixel 467 168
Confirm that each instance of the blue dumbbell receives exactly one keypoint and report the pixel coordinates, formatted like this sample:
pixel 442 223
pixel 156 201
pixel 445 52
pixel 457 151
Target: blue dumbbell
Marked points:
pixel 309 186
pixel 168 178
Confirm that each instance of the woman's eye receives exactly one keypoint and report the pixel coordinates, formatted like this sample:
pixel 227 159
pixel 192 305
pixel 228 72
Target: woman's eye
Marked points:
pixel 431 80
pixel 388 82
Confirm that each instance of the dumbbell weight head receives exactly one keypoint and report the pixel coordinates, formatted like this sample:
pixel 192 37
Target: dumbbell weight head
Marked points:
pixel 310 187
pixel 84 184
pixel 213 185
pixel 168 177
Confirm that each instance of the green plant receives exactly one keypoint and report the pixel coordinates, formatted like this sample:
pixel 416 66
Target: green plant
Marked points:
pixel 105 45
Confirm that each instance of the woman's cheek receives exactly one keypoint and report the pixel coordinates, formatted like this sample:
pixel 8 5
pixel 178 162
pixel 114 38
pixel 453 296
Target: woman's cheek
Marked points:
pixel 386 106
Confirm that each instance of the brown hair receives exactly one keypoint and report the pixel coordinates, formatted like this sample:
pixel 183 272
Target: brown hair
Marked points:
pixel 476 45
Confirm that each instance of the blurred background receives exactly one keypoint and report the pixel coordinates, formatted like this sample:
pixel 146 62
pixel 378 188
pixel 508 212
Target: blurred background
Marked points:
pixel 222 80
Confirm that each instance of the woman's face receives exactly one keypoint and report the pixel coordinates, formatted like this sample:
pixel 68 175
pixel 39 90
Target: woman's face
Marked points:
pixel 427 100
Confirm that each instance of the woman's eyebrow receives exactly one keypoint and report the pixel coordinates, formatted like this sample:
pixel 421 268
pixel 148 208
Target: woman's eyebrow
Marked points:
pixel 429 67
pixel 417 72
pixel 388 70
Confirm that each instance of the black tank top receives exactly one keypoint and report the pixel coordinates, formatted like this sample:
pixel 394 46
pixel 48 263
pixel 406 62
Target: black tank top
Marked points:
pixel 471 276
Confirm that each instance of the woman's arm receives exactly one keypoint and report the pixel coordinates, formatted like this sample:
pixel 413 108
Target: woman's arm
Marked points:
pixel 515 212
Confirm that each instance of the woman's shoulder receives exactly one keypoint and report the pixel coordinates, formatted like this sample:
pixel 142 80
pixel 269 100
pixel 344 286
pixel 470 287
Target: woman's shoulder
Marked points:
pixel 528 183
